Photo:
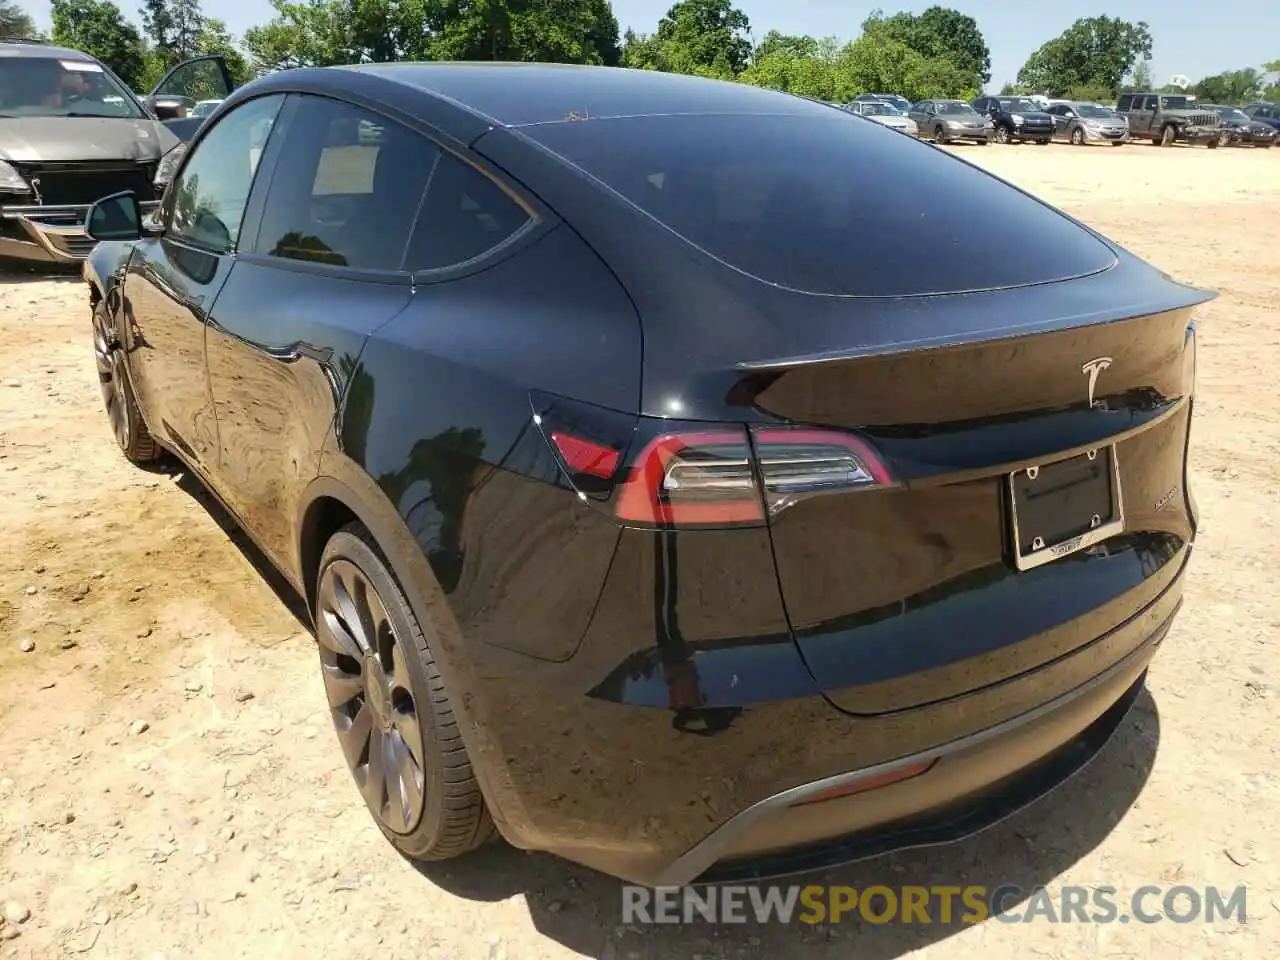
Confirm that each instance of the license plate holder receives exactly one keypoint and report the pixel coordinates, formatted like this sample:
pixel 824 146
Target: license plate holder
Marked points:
pixel 1065 506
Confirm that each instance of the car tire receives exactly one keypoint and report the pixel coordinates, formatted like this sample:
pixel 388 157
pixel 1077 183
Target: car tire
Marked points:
pixel 1224 139
pixel 1003 134
pixel 1168 134
pixel 395 685
pixel 124 415
pixel 939 135
pixel 1077 137
pixel 1212 144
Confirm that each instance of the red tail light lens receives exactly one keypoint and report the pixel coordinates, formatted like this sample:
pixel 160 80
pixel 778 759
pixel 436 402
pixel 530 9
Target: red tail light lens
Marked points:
pixel 718 477
pixel 584 456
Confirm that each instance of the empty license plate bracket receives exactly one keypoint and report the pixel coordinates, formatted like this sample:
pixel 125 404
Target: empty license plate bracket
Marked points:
pixel 1065 506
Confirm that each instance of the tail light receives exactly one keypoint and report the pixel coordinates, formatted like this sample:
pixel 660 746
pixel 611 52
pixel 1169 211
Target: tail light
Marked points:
pixel 697 474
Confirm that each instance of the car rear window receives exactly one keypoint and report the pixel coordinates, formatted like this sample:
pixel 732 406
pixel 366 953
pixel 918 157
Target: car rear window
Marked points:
pixel 834 205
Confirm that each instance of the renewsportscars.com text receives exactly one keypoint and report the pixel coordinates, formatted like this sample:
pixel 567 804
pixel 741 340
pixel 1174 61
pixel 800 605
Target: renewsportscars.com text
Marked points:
pixel 1006 903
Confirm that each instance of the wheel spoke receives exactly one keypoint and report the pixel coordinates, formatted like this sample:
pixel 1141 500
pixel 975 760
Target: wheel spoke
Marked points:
pixel 399 668
pixel 340 686
pixel 405 782
pixel 406 725
pixel 375 775
pixel 333 634
pixel 337 598
pixel 354 736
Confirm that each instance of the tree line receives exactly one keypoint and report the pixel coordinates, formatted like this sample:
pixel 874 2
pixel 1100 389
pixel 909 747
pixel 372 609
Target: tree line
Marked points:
pixel 940 52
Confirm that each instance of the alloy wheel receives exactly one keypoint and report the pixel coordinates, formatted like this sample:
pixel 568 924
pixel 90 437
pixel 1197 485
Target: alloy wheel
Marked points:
pixel 371 701
pixel 1077 137
pixel 1002 134
pixel 110 362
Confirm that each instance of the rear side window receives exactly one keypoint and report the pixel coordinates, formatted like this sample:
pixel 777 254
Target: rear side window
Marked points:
pixel 826 204
pixel 346 188
pixel 465 214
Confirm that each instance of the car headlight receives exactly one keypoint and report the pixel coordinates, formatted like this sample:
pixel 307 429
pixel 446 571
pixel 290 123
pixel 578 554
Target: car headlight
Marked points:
pixel 169 165
pixel 1019 119
pixel 11 181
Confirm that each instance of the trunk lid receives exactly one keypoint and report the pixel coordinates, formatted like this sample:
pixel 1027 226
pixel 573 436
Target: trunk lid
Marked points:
pixel 910 594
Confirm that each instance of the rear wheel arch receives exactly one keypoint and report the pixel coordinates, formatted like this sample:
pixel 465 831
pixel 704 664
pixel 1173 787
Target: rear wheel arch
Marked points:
pixel 355 497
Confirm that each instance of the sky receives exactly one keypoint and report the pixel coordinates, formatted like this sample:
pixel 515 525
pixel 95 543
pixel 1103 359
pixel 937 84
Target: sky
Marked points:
pixel 1240 33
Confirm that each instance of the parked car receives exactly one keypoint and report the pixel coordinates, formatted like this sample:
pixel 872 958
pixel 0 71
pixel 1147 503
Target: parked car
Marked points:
pixel 664 497
pixel 946 121
pixel 205 107
pixel 1239 129
pixel 899 103
pixel 884 114
pixel 1079 123
pixel 1015 120
pixel 1264 112
pixel 1167 118
pixel 70 133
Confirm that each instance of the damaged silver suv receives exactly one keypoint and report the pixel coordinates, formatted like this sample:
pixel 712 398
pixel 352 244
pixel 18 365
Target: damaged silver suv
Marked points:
pixel 71 133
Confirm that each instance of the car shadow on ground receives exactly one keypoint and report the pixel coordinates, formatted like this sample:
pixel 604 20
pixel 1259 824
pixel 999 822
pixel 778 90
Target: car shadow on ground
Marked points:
pixel 582 909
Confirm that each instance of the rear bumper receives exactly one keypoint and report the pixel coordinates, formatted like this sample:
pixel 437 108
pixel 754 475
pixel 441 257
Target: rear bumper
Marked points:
pixel 617 779
pixel 978 782
pixel 48 233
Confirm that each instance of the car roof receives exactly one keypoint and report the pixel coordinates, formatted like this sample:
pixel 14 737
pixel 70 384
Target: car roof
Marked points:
pixel 35 49
pixel 519 94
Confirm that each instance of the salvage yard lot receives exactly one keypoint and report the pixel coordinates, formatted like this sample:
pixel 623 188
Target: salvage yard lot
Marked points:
pixel 169 784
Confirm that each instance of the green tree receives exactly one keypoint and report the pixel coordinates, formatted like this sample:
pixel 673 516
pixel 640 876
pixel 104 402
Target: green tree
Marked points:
pixel 98 27
pixel 939 32
pixel 1096 52
pixel 327 32
pixel 1139 80
pixel 777 42
pixel 15 21
pixel 1234 86
pixel 704 37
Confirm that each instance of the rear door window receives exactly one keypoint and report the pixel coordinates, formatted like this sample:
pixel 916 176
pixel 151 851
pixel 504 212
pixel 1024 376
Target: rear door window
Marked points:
pixel 346 188
pixel 826 204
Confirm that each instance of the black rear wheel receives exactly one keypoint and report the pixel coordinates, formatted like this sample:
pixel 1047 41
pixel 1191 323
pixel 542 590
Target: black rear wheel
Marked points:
pixel 126 420
pixel 390 708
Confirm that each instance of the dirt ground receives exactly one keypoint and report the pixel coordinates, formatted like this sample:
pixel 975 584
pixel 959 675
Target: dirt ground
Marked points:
pixel 170 787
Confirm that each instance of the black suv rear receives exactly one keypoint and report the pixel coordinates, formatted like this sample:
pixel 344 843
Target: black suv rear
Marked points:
pixel 1016 119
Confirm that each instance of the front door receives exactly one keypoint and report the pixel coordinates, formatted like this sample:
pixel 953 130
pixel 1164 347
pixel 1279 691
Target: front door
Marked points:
pixel 174 279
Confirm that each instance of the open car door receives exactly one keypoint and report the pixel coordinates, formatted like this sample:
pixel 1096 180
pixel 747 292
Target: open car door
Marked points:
pixel 200 78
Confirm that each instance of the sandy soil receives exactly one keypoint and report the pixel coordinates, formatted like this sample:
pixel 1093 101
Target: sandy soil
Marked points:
pixel 169 786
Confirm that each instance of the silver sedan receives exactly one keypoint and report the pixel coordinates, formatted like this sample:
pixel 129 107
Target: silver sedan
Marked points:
pixel 885 114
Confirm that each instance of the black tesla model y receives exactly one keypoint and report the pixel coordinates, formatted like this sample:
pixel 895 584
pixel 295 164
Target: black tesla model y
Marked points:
pixel 675 484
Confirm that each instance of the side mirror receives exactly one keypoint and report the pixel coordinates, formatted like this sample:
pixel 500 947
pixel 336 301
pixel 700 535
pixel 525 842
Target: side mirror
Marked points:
pixel 117 217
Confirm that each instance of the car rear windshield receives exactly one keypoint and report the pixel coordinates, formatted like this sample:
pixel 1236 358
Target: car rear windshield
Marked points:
pixel 827 204
pixel 49 87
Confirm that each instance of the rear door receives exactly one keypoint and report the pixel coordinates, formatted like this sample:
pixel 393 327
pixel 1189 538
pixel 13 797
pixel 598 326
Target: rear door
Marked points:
pixel 325 269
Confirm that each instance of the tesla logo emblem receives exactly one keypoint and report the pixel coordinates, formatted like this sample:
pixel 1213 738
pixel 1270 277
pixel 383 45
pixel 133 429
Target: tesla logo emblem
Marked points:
pixel 1091 370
